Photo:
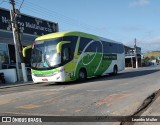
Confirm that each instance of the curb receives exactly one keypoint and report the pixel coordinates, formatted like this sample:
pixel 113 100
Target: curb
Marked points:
pixel 17 85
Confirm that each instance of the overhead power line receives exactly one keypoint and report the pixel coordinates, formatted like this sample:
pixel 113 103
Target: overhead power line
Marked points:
pixel 21 5
pixel 53 14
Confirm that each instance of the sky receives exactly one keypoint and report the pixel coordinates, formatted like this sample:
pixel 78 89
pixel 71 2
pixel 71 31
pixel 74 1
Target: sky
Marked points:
pixel 119 20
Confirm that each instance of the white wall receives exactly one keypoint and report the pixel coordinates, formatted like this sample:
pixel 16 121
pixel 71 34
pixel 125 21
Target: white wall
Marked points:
pixel 10 75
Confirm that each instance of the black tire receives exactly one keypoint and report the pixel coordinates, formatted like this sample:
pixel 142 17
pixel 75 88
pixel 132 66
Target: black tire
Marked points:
pixel 82 75
pixel 115 71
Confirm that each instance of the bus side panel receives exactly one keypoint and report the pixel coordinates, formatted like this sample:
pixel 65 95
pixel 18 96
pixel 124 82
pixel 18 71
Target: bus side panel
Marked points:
pixel 69 71
pixel 94 63
pixel 120 62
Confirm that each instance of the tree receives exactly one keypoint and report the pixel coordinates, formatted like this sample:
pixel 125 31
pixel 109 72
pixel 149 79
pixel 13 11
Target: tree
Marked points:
pixel 152 57
pixel 146 59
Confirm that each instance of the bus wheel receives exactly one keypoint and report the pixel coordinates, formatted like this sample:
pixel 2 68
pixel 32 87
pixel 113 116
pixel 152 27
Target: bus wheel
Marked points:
pixel 82 75
pixel 115 71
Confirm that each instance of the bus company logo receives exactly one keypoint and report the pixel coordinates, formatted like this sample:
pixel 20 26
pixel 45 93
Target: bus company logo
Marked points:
pixel 6 119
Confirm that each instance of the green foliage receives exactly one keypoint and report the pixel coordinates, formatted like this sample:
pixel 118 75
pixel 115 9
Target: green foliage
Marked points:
pixel 146 59
pixel 152 55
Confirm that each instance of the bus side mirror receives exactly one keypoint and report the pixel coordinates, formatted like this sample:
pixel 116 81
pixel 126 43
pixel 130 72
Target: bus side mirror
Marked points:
pixel 25 49
pixel 27 54
pixel 59 46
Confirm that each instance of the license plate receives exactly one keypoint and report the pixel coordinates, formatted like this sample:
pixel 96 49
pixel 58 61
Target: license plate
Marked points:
pixel 44 79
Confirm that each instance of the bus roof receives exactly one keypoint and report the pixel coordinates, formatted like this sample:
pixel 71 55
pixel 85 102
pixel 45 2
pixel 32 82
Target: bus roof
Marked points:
pixel 73 33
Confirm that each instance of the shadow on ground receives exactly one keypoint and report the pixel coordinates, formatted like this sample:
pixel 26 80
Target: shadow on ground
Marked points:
pixel 122 75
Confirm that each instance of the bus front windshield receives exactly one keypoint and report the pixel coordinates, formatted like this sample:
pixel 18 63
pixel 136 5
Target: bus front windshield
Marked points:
pixel 44 54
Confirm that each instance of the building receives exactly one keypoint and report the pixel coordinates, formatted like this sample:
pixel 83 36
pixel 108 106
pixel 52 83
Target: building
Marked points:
pixel 30 27
pixel 130 57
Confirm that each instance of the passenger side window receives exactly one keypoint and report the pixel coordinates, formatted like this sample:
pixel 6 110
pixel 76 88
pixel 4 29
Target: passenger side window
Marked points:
pixel 83 44
pixel 65 54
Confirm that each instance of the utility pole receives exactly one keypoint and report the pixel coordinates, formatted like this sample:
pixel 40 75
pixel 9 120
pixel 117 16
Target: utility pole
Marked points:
pixel 135 48
pixel 17 43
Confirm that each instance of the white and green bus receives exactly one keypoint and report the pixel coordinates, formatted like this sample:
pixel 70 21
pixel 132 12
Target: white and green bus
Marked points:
pixel 69 56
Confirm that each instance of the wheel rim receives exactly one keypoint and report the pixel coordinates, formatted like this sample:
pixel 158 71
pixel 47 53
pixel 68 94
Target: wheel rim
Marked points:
pixel 115 70
pixel 81 75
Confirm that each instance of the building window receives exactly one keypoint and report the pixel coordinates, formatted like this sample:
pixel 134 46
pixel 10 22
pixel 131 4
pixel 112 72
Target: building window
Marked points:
pixel 4 56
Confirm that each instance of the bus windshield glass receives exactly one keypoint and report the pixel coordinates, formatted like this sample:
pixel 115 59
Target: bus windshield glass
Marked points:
pixel 44 54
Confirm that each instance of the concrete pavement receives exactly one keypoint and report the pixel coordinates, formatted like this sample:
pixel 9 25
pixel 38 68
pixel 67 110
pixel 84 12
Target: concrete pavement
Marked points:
pixel 9 85
pixel 153 109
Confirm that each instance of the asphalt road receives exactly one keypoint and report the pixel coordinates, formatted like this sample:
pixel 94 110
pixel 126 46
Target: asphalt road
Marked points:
pixel 119 95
